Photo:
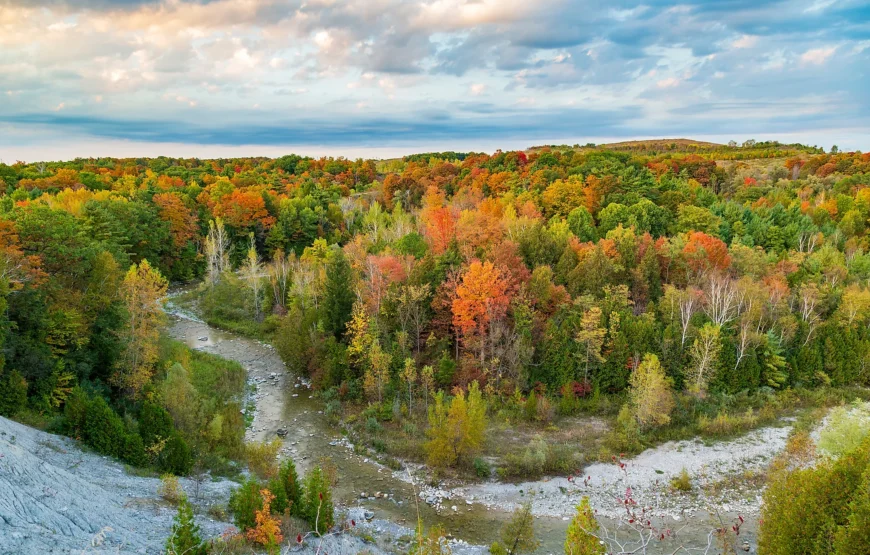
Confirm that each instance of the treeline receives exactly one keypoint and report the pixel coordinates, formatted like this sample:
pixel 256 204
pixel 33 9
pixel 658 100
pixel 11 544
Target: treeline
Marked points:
pixel 555 272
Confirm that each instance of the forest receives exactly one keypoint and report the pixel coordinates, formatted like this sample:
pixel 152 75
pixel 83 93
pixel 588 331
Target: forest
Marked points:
pixel 674 288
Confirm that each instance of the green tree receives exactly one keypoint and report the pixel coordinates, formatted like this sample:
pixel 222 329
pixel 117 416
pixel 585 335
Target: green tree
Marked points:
pixel 581 539
pixel 518 534
pixel 185 537
pixel 290 483
pixel 318 501
pixel 244 503
pixel 13 393
pixel 339 296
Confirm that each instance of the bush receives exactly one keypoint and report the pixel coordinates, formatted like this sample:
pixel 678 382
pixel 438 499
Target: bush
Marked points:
pixel 530 407
pixel 103 429
pixel 725 424
pixel 846 428
pixel 262 458
pixel 279 501
pixel 626 432
pixel 169 488
pixel 373 426
pixel 75 412
pixel 682 481
pixel 155 424
pixel 481 468
pixel 244 503
pixel 537 459
pixel 175 457
pixel 13 393
pixel 804 508
pixel 133 451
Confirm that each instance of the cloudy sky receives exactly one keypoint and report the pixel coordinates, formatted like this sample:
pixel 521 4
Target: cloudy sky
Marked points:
pixel 384 77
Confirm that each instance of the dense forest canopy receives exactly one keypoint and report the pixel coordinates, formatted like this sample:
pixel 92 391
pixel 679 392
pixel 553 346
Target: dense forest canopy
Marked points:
pixel 556 270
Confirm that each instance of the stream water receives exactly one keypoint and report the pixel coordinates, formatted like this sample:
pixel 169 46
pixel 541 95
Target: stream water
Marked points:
pixel 283 401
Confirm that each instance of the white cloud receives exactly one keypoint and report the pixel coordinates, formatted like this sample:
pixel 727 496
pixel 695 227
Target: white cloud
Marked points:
pixel 745 41
pixel 668 83
pixel 818 56
pixel 477 89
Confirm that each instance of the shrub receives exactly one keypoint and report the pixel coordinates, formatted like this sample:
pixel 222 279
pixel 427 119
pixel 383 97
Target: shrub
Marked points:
pixel 169 488
pixel 481 468
pixel 262 457
pixel 75 412
pixel 103 429
pixel 373 426
pixel 854 537
pixel 626 432
pixel 725 424
pixel 133 451
pixel 267 529
pixel 279 501
pixel 155 424
pixel 845 430
pixel 13 393
pixel 530 407
pixel 682 481
pixel 244 503
pixel 175 457
pixel 318 501
pixel 804 508
pixel 518 534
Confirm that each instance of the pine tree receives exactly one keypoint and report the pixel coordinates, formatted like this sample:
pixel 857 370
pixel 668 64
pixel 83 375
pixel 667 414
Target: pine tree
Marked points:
pixel 518 534
pixel 318 501
pixel 290 481
pixel 185 538
pixel 13 393
pixel 580 539
pixel 339 296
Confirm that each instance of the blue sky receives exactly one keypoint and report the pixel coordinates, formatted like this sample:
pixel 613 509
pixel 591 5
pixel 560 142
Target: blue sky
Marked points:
pixel 386 77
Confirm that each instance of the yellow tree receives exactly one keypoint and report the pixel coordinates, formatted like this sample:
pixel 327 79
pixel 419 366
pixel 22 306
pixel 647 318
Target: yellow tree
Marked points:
pixel 427 382
pixel 591 337
pixel 378 372
pixel 409 375
pixel 652 397
pixel 141 291
pixel 458 432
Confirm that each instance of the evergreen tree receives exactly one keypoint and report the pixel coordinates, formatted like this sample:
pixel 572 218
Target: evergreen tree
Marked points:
pixel 13 392
pixel 518 534
pixel 580 538
pixel 244 503
pixel 185 538
pixel 339 296
pixel 290 484
pixel 318 501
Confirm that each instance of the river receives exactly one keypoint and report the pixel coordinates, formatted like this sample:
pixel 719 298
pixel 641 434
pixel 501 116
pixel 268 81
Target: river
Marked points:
pixel 283 400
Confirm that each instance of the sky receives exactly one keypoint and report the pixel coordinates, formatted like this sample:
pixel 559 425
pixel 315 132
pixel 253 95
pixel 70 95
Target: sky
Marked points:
pixel 381 78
